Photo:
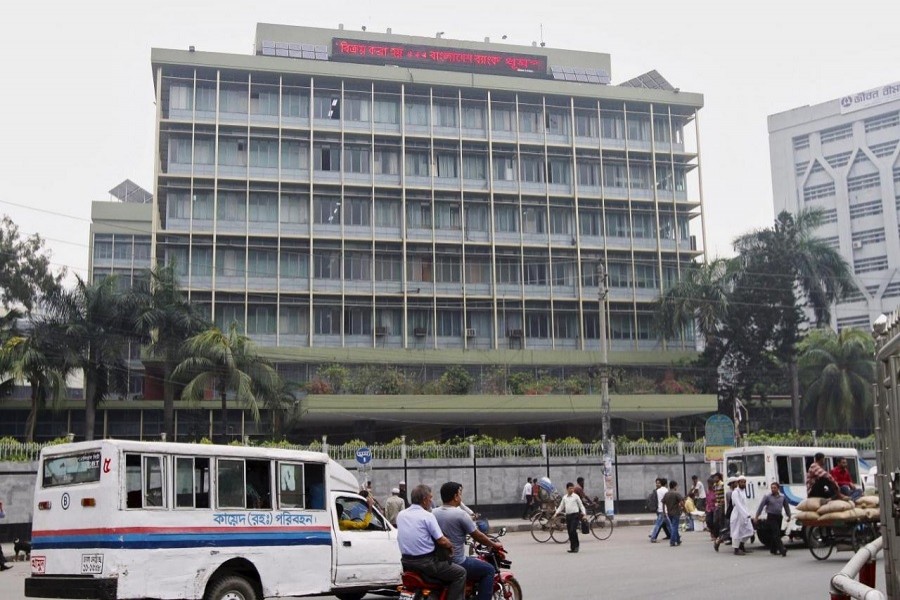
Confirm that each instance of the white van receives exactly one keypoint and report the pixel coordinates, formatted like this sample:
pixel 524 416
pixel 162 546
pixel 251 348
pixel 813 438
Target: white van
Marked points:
pixel 786 465
pixel 123 519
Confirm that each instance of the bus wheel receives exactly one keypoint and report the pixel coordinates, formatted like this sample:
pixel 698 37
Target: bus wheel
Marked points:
pixel 231 587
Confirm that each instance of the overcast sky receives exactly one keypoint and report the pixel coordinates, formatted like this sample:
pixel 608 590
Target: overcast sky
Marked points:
pixel 77 113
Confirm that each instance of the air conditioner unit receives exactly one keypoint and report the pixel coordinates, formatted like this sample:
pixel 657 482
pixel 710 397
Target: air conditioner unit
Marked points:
pixel 857 245
pixel 420 332
pixel 381 331
pixel 470 333
pixel 514 333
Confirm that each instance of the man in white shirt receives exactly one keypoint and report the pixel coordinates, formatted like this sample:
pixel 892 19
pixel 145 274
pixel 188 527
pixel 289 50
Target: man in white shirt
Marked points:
pixel 698 493
pixel 574 510
pixel 527 498
pixel 741 521
pixel 662 488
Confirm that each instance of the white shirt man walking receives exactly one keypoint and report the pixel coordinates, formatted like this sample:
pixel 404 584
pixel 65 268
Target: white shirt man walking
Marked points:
pixel 741 520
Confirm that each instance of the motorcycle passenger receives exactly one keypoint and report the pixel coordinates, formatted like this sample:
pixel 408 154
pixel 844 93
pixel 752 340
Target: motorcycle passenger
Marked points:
pixel 456 525
pixel 419 535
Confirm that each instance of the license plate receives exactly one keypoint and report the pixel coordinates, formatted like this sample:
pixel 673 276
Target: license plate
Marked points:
pixel 38 565
pixel 92 564
pixel 404 595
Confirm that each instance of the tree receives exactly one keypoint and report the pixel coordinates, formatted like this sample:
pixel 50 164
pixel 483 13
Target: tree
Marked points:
pixel 228 362
pixel 164 319
pixel 837 372
pixel 789 257
pixel 700 296
pixel 36 360
pixel 25 271
pixel 92 326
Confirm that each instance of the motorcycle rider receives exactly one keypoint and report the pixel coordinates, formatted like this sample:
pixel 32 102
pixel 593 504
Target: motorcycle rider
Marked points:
pixel 419 535
pixel 456 525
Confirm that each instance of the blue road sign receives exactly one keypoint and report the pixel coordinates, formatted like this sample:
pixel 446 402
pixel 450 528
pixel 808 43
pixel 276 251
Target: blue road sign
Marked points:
pixel 363 455
pixel 719 431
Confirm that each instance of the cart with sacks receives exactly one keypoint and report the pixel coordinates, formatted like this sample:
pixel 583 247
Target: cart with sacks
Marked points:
pixel 831 525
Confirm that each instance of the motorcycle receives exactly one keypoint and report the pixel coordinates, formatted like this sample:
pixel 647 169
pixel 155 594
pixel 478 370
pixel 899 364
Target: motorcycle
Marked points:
pixel 416 586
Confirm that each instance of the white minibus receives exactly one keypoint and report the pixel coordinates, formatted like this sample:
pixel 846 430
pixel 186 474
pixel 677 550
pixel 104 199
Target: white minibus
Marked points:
pixel 117 519
pixel 786 465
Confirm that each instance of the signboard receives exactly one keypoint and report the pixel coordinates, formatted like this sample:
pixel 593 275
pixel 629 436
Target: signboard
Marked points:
pixel 363 455
pixel 872 97
pixel 716 453
pixel 719 431
pixel 438 57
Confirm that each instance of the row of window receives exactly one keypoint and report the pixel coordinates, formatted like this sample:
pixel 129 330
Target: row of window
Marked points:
pixel 443 215
pixel 444 164
pixel 421 112
pixel 840 132
pixel 363 321
pixel 425 268
pixel 121 247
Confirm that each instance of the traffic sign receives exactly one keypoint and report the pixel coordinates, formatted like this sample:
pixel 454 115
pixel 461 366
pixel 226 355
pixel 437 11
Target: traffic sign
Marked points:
pixel 719 431
pixel 363 455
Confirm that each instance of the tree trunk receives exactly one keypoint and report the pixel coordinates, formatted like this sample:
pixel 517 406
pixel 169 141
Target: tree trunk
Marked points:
pixel 32 415
pixel 168 401
pixel 224 418
pixel 795 395
pixel 90 408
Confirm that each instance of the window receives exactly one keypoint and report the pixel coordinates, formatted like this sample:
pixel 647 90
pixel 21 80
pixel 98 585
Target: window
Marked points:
pixel 589 221
pixel 180 151
pixel 530 121
pixel 191 482
pixel 181 97
pixel 532 169
pixel 612 126
pixel 868 265
pixel 72 469
pixel 589 173
pixel 534 219
pixel 264 153
pixel 232 100
pixel 294 210
pixel 535 271
pixel 537 325
pixel 565 325
pixel 294 104
pixel 560 171
pixel 638 129
pixel 587 125
pixel 870 236
pixel 801 142
pixel 448 269
pixel 357 266
pixel 387 162
pixel 478 271
pixel 354 509
pixel 813 192
pixel 327 320
pixel 508 270
pixel 615 175
pixel 326 105
pixel 356 160
pixel 474 166
pixel 294 264
pixel 445 114
pixel 661 131
pixel 262 263
pixel 417 164
pixel 472 117
pixel 205 98
pixel 261 319
pixel 836 133
pixel 839 160
pixel 504 168
pixel 446 166
pixel 357 211
pixel 563 271
pixel 294 156
pixel 619 275
pixel 506 218
pixel 387 213
pixel 864 209
pixel 290 486
pixel 327 210
pixel 387 111
pixel 201 262
pixel 230 262
pixel 617 224
pixel 356 109
pixel 326 158
pixel 243 483
pixel 419 268
pixel 231 207
pixel 144 481
pixel 882 121
pixel 103 249
pixel 418 215
pixel 263 208
pixel 293 320
pixel 449 323
pixel 561 221
pixel 388 267
pixel 358 321
pixel 447 215
pixel 502 119
pixel 327 264
pixel 232 152
pixel 476 217
pixel 417 113
pixel 557 122
pixel 863 182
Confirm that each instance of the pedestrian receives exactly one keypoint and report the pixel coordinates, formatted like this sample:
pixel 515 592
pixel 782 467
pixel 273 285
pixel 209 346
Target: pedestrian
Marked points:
pixel 392 506
pixel 698 493
pixel 774 503
pixel 673 504
pixel 710 507
pixel 528 498
pixel 725 520
pixel 402 488
pixel 3 565
pixel 741 521
pixel 661 490
pixel 575 512
pixel 719 509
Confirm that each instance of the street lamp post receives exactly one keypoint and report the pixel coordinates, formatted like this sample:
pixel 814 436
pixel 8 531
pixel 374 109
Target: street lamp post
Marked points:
pixel 608 487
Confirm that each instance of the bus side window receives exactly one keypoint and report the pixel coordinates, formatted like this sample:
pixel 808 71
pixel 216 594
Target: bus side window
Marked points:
pixel 230 483
pixel 798 472
pixel 784 473
pixel 754 465
pixel 315 485
pixel 191 482
pixel 144 482
pixel 133 481
pixel 259 484
pixel 290 486
pixel 154 495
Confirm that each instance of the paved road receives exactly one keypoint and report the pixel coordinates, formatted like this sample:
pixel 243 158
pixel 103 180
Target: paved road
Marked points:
pixel 628 566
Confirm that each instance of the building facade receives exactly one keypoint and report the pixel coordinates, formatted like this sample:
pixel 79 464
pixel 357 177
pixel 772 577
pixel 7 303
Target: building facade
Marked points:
pixel 842 156
pixel 363 190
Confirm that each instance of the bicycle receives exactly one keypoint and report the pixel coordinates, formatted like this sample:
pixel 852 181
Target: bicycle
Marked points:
pixel 824 539
pixel 546 525
pixel 601 524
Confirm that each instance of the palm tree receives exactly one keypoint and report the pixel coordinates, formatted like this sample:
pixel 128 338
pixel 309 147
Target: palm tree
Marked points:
pixel 93 328
pixel 165 320
pixel 816 273
pixel 34 360
pixel 838 371
pixel 700 296
pixel 228 362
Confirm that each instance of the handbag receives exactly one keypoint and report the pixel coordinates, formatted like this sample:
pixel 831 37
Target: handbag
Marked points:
pixel 585 527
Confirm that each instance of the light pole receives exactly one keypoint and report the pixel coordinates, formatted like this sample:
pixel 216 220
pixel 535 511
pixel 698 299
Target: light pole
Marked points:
pixel 608 487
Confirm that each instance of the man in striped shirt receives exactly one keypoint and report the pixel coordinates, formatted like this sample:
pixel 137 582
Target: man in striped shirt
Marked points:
pixel 819 482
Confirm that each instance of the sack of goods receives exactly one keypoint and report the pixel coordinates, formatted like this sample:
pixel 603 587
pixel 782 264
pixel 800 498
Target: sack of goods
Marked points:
pixel 868 502
pixel 806 515
pixel 851 514
pixel 811 504
pixel 835 506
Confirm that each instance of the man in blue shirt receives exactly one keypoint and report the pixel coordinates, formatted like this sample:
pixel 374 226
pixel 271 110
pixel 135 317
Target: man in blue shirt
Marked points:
pixel 456 525
pixel 418 535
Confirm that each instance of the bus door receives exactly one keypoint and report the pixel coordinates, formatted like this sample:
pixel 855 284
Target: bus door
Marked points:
pixel 366 548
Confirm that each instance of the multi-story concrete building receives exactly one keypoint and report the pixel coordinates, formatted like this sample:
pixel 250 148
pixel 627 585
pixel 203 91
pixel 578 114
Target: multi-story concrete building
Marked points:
pixel 375 198
pixel 842 156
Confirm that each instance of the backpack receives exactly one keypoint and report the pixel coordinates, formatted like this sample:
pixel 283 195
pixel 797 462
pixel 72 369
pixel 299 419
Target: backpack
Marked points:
pixel 652 503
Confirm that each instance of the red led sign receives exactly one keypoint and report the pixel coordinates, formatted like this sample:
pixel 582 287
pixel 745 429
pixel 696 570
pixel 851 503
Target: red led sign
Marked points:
pixel 433 57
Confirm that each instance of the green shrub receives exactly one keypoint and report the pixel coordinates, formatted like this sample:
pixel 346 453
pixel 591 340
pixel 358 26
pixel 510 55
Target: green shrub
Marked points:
pixel 455 380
